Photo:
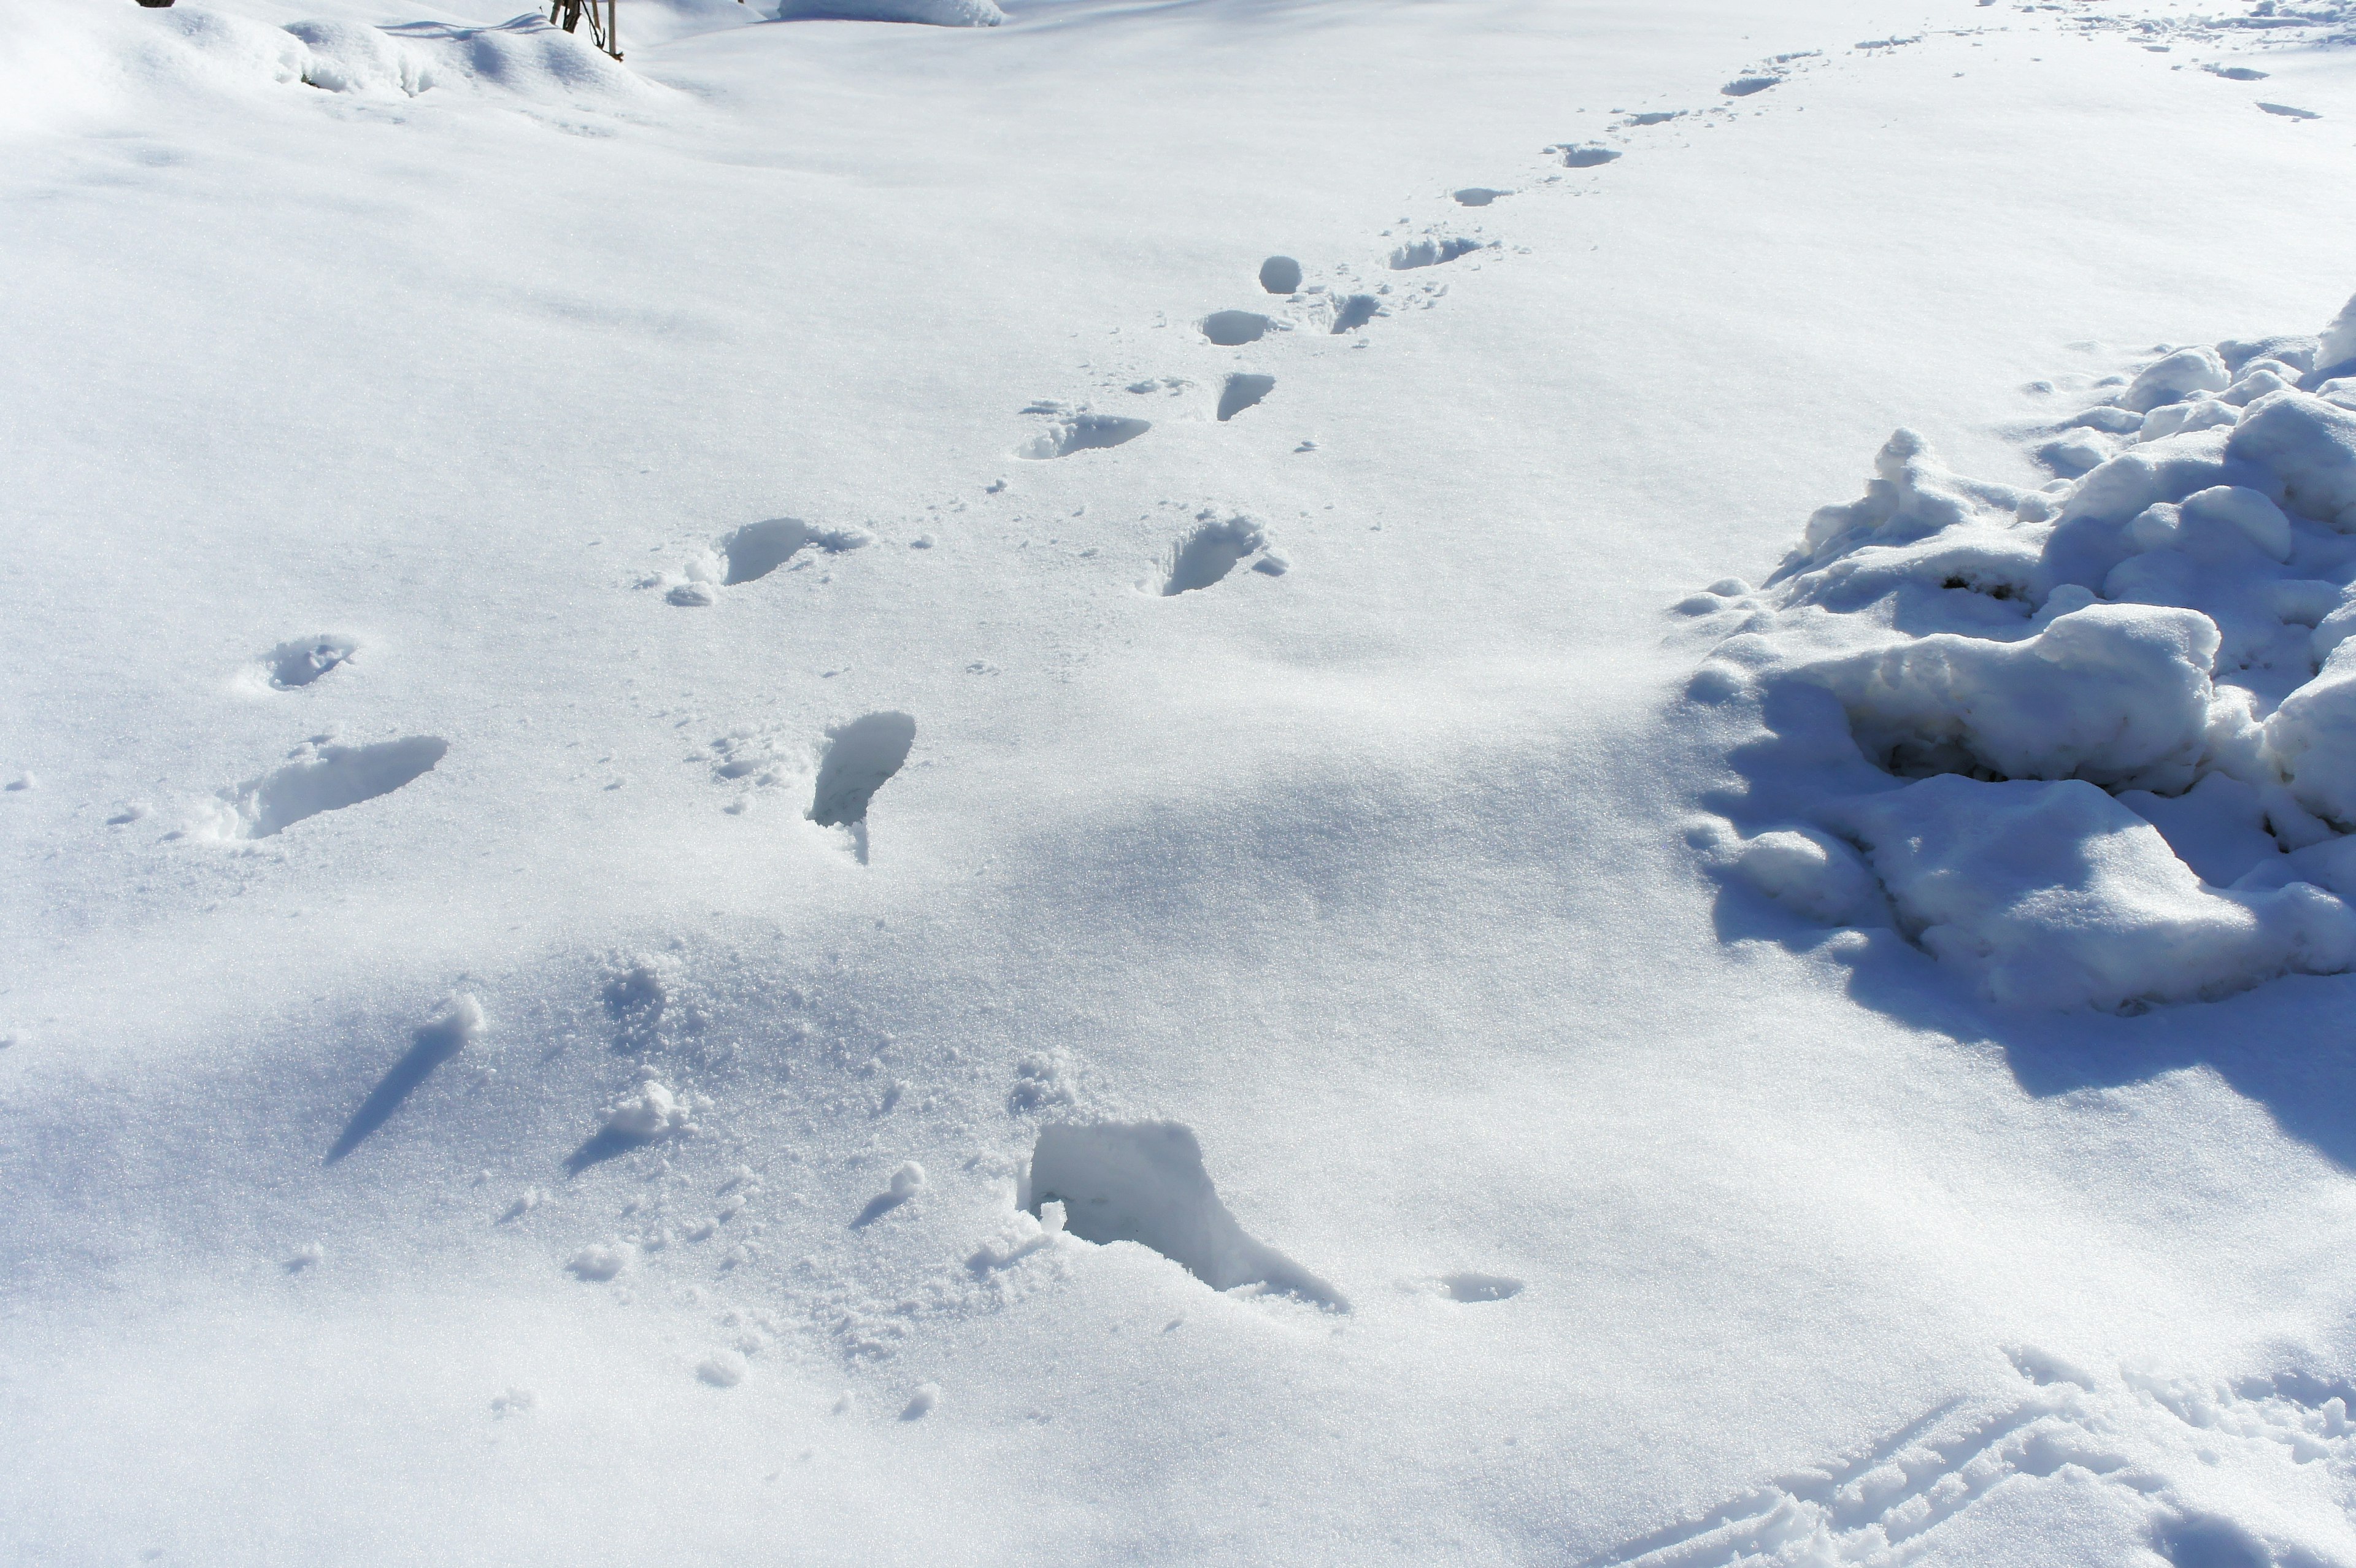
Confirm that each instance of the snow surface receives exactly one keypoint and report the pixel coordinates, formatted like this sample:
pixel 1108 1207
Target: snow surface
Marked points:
pixel 760 806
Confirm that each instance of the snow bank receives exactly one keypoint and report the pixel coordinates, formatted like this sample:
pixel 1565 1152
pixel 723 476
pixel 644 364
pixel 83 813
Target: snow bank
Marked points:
pixel 68 66
pixel 2126 700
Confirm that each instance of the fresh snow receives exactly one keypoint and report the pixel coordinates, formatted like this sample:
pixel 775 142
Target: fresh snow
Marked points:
pixel 963 793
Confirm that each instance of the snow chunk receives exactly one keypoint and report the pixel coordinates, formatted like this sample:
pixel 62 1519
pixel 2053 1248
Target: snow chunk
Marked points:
pixel 347 57
pixel 722 1369
pixel 2308 445
pixel 654 1112
pixel 2177 376
pixel 2114 693
pixel 2057 896
pixel 1812 874
pixel 596 1264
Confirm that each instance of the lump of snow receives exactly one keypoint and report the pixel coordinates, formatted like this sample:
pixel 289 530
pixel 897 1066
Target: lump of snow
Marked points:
pixel 2336 352
pixel 722 1369
pixel 2312 740
pixel 2308 445
pixel 923 1403
pixel 2057 896
pixel 595 1265
pixel 1812 874
pixel 654 1112
pixel 2112 693
pixel 2177 376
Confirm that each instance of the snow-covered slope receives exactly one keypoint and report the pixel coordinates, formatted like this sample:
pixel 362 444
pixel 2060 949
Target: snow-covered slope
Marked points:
pixel 764 808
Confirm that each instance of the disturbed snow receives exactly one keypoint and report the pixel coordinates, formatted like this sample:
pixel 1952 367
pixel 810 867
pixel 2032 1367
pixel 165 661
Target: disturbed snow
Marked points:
pixel 920 793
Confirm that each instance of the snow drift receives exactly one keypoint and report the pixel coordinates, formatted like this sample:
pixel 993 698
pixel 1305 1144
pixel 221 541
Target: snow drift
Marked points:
pixel 2123 700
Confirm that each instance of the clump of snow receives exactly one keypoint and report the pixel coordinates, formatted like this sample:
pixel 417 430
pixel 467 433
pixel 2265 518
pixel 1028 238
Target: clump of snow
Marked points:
pixel 922 1403
pixel 596 1264
pixel 722 1369
pixel 653 1112
pixel 2095 744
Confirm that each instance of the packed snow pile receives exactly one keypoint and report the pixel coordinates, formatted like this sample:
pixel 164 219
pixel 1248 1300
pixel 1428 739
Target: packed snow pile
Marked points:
pixel 2095 744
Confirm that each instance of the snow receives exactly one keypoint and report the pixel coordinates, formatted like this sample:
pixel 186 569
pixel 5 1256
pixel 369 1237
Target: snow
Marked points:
pixel 950 794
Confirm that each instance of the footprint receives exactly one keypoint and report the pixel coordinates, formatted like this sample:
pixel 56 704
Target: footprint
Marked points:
pixel 1080 432
pixel 1744 86
pixel 859 757
pixel 1355 312
pixel 327 778
pixel 1655 117
pixel 1144 1182
pixel 304 660
pixel 1243 391
pixel 1281 275
pixel 2236 72
pixel 1586 154
pixel 1431 252
pixel 1233 328
pixel 1478 195
pixel 751 553
pixel 1215 549
pixel 2288 112
pixel 1481 1286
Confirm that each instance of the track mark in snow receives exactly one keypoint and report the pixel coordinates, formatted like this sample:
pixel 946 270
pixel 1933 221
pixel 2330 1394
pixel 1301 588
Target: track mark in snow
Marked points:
pixel 859 757
pixel 749 554
pixel 1586 154
pixel 1477 196
pixel 329 778
pixel 1657 117
pixel 2288 112
pixel 1481 1286
pixel 2236 72
pixel 1355 312
pixel 1082 432
pixel 431 1045
pixel 1280 275
pixel 1214 549
pixel 1144 1182
pixel 301 662
pixel 1431 252
pixel 1744 86
pixel 1243 391
pixel 1233 328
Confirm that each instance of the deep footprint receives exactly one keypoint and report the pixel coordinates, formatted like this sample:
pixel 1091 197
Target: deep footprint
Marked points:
pixel 1281 275
pixel 1082 432
pixel 329 779
pixel 1431 252
pixel 1354 312
pixel 1478 195
pixel 1144 1182
pixel 301 662
pixel 1233 328
pixel 861 756
pixel 1243 391
pixel 1214 549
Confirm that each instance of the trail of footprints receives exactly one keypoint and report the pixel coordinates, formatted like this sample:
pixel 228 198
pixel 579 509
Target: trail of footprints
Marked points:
pixel 1146 1182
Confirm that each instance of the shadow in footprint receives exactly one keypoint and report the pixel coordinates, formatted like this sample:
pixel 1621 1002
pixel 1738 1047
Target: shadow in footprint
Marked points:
pixel 1233 328
pixel 327 779
pixel 1354 312
pixel 1082 432
pixel 433 1044
pixel 1144 1182
pixel 298 664
pixel 1281 275
pixel 1213 550
pixel 1431 252
pixel 1243 391
pixel 1478 195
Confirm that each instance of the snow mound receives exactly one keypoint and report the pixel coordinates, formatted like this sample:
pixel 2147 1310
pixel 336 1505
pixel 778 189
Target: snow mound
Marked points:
pixel 932 13
pixel 2092 745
